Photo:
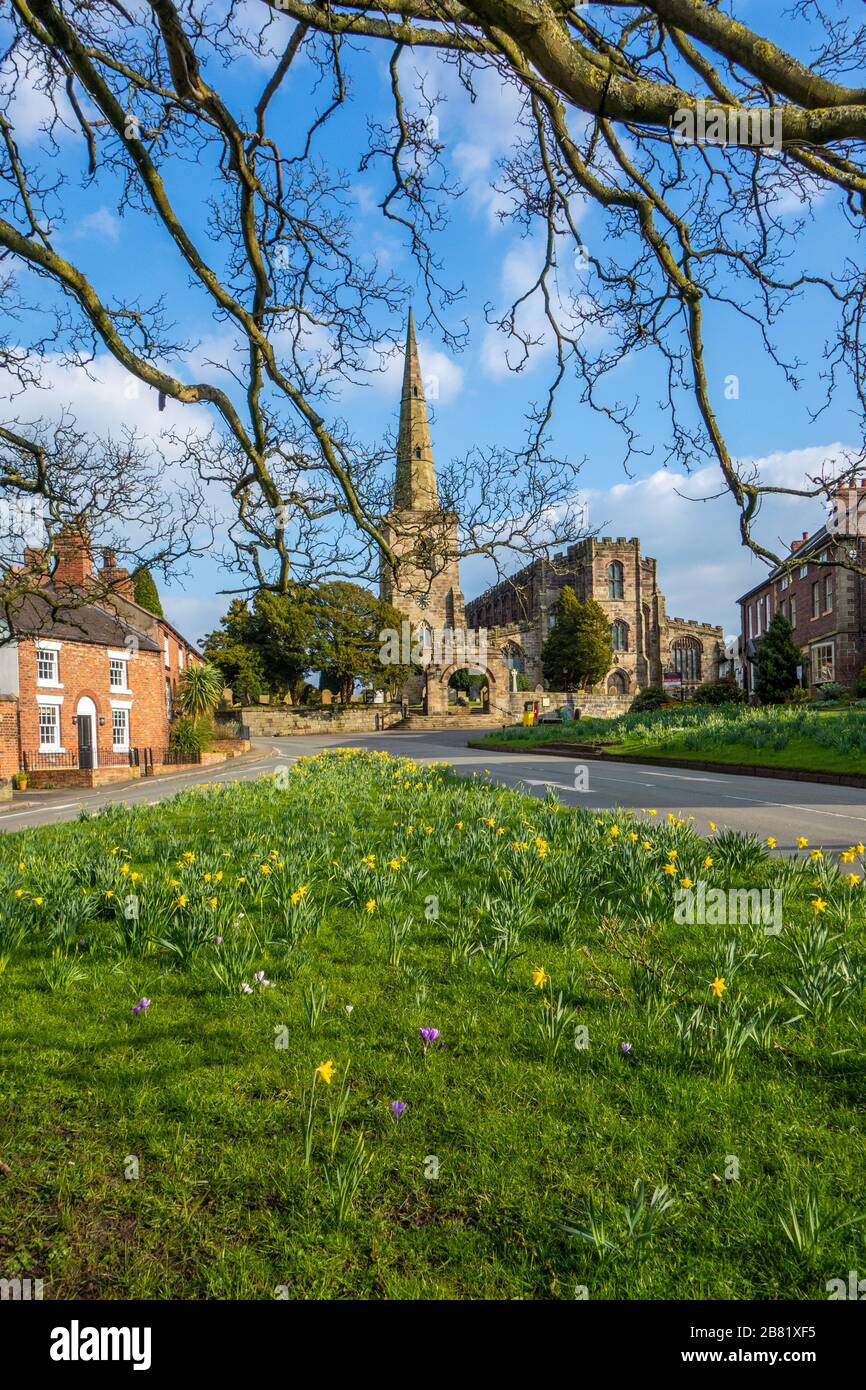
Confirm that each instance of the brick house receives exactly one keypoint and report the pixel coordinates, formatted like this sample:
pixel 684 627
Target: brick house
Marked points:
pixel 85 686
pixel 825 604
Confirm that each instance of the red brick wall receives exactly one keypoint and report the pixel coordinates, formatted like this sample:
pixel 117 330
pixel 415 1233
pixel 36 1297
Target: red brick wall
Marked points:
pixel 9 760
pixel 83 670
pixel 173 671
pixel 844 623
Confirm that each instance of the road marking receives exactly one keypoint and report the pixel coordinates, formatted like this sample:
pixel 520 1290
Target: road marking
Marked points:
pixel 37 810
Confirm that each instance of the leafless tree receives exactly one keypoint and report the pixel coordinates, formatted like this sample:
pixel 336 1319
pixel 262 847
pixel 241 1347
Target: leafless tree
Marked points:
pixel 61 488
pixel 694 235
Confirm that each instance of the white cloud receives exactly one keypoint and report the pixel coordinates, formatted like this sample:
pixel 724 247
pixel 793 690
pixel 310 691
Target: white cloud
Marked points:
pixel 100 223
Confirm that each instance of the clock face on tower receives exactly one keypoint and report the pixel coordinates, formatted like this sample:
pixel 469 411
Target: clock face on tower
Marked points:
pixel 423 600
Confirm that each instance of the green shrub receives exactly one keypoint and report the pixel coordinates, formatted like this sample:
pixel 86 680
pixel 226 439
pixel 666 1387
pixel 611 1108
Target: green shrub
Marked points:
pixel 190 735
pixel 831 690
pixel 859 687
pixel 651 698
pixel 719 693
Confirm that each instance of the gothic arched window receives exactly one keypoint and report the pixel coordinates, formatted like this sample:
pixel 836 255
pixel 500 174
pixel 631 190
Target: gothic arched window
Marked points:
pixel 619 632
pixel 614 580
pixel 686 654
pixel 417 453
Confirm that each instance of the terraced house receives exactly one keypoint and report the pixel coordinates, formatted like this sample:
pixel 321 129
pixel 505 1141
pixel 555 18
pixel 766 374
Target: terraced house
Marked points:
pixel 88 688
pixel 823 598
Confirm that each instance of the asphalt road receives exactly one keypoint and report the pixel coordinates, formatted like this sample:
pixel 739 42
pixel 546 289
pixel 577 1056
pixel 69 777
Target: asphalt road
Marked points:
pixel 829 816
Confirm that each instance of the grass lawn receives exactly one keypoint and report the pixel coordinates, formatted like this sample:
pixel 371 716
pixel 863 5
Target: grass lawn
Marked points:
pixel 236 1138
pixel 786 737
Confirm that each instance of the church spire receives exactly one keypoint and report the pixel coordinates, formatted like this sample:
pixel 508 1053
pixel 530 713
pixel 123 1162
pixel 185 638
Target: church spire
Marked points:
pixel 415 484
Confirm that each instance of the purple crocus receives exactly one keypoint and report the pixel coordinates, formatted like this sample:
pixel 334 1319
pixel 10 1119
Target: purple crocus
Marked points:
pixel 218 941
pixel 141 1007
pixel 625 1048
pixel 397 1108
pixel 428 1036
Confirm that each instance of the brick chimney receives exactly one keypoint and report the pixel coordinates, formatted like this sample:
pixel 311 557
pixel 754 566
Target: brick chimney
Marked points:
pixel 795 545
pixel 113 578
pixel 74 561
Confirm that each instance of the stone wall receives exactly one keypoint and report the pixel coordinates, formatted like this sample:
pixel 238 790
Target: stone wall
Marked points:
pixel 281 721
pixel 518 611
pixel 590 706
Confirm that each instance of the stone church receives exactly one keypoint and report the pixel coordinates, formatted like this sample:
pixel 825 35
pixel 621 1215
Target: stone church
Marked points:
pixel 516 615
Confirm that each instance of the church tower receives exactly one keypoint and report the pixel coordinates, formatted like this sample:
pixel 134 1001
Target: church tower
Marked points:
pixel 426 586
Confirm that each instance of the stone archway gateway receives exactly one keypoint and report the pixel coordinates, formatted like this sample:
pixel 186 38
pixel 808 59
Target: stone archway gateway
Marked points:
pixel 495 673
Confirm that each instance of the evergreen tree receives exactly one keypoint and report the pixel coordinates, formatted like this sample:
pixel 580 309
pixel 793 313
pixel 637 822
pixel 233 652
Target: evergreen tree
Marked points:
pixel 145 592
pixel 579 649
pixel 776 661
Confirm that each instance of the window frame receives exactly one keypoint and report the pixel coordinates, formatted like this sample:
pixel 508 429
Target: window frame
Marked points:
pixel 48 650
pixel 123 712
pixel 817 678
pixel 54 704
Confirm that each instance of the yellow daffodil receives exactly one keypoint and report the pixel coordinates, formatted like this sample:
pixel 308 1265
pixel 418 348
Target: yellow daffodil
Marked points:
pixel 540 977
pixel 646 845
pixel 712 825
pixel 672 854
pixel 670 869
pixel 771 842
pixel 326 1071
pixel 614 831
pixel 686 883
pixel 802 842
pixel 819 905
pixel 816 854
pixel 182 900
pixel 708 862
pixel 371 905
pixel 719 986
pixel 852 879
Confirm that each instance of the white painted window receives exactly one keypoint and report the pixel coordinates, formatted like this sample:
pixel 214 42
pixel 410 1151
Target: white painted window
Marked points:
pixel 117 673
pixel 46 666
pixel 169 704
pixel 751 621
pixel 49 728
pixel 180 658
pixel 120 729
pixel 823 663
pixel 804 570
pixel 166 651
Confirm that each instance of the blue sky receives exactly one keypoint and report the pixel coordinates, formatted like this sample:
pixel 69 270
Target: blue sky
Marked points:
pixel 701 563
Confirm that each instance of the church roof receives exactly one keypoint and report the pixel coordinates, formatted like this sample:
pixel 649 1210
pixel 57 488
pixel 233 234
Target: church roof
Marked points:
pixel 415 483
